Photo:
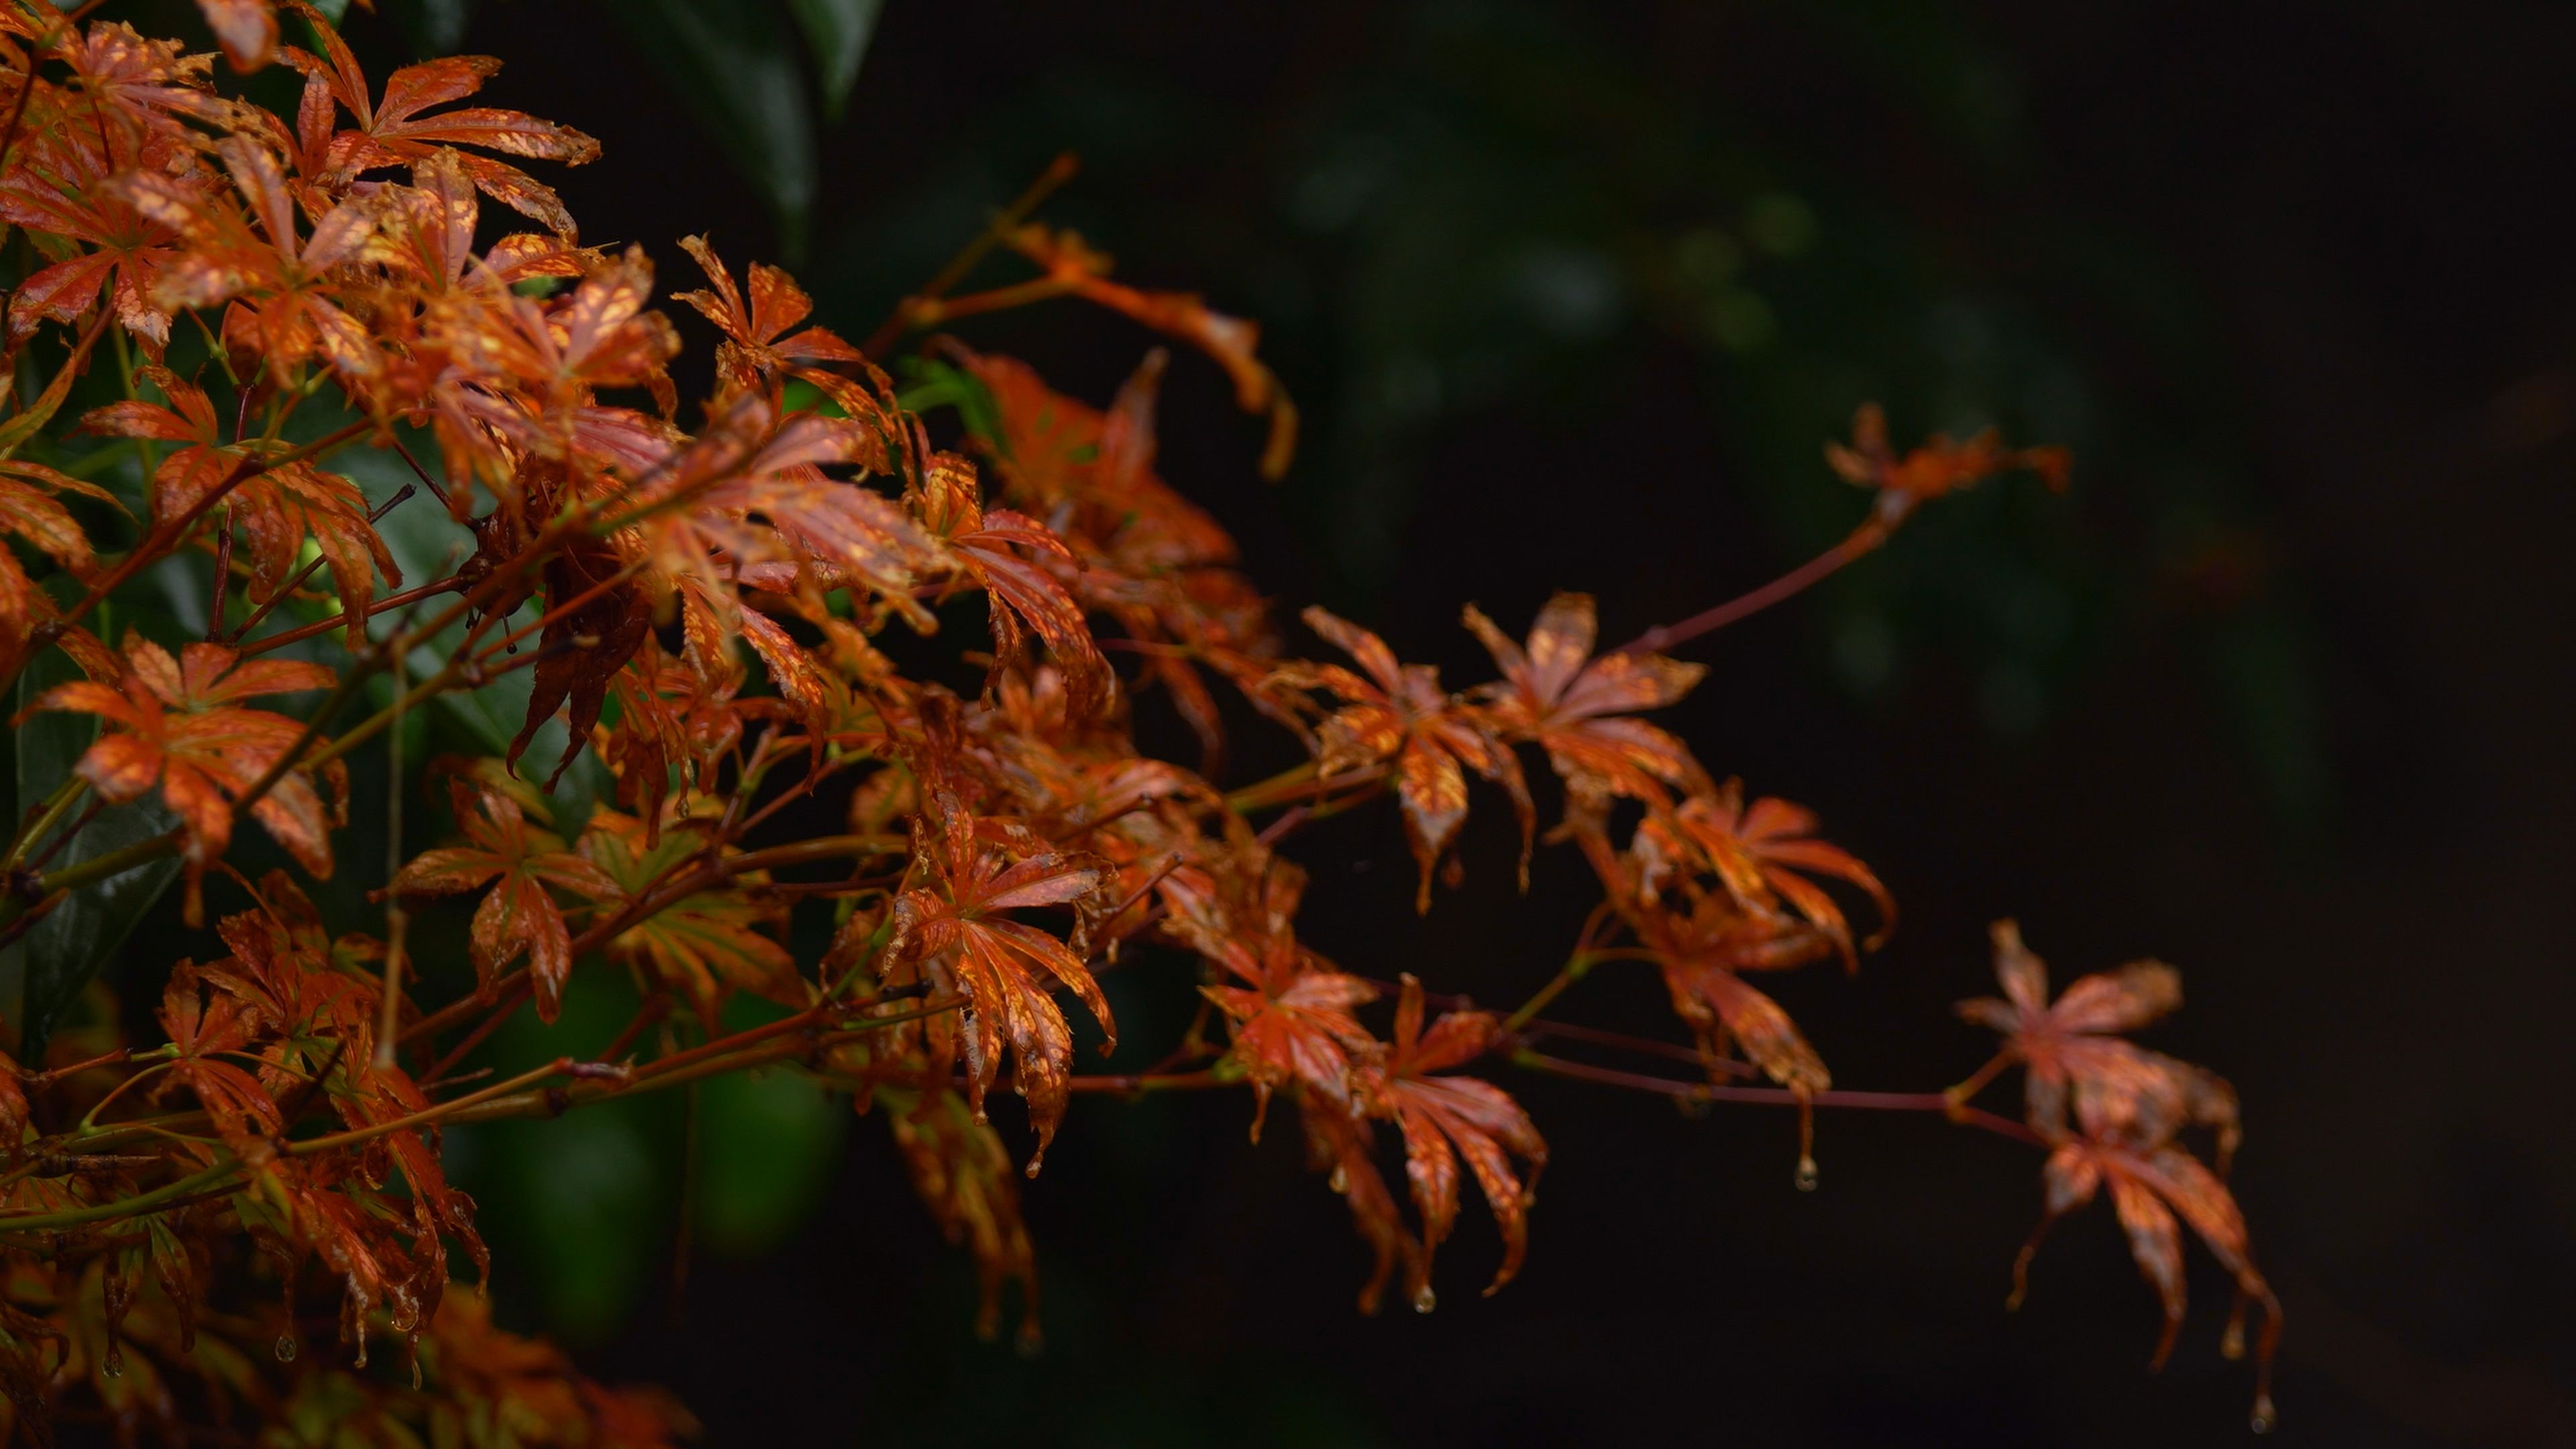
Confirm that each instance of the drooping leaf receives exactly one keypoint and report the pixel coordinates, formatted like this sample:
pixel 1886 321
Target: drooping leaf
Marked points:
pixel 1769 849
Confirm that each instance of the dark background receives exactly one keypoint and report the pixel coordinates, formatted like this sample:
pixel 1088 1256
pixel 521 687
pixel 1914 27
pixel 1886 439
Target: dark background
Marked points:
pixel 1571 294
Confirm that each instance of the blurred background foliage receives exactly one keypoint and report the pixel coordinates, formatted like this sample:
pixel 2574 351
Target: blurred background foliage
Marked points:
pixel 1570 294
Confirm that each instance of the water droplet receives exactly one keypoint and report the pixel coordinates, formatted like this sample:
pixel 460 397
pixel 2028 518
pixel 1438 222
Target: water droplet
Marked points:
pixel 285 1348
pixel 113 1365
pixel 1341 1178
pixel 2232 1344
pixel 1807 1176
pixel 1424 1300
pixel 2263 1415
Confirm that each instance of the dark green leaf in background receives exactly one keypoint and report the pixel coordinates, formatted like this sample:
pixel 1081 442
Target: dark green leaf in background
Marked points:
pixel 738 69
pixel 767 1144
pixel 577 1206
pixel 838 30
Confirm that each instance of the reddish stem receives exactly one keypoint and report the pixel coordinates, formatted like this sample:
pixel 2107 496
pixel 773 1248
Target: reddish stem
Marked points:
pixel 1937 1102
pixel 340 620
pixel 1058 172
pixel 1872 532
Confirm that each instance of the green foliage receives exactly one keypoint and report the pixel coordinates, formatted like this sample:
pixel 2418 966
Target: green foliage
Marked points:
pixel 766 1145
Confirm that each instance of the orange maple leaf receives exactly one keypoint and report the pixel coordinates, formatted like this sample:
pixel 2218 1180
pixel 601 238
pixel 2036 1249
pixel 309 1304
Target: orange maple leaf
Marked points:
pixel 1025 597
pixel 1005 969
pixel 393 130
pixel 1231 341
pixel 1768 850
pixel 519 860
pixel 178 725
pixel 278 507
pixel 1577 706
pixel 758 344
pixel 2153 1183
pixel 706 944
pixel 1940 466
pixel 2069 1054
pixel 1446 1117
pixel 1397 713
pixel 28 509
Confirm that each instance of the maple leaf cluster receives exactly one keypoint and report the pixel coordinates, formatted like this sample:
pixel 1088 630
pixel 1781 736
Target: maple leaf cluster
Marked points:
pixel 717 615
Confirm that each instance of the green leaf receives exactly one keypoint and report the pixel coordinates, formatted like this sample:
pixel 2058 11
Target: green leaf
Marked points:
pixel 734 66
pixel 579 1205
pixel 930 383
pixel 332 10
pixel 64 950
pixel 838 30
pixel 767 1144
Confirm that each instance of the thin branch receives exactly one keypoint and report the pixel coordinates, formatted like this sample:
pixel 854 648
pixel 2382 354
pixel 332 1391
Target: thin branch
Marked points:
pixel 1872 532
pixel 1933 1102
pixel 1057 173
